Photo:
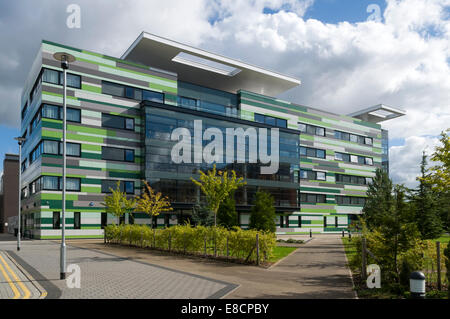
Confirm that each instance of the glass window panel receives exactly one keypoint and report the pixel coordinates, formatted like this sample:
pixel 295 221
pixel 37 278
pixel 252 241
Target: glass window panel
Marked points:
pixel 73 115
pixel 353 138
pixel 311 129
pixel 320 131
pixel 311 198
pixel 73 80
pixel 50 182
pixel 129 187
pixel 303 174
pixel 302 127
pixel 302 150
pixel 113 89
pixel 368 141
pixel 152 96
pixel 368 180
pixel 360 140
pixel 320 153
pixel 321 176
pixel 369 161
pixel 270 120
pixel 51 147
pixel 113 121
pixel 346 136
pixel 110 153
pixel 361 160
pixel 338 157
pixel 73 149
pixel 353 158
pixel 72 184
pixel 50 111
pixel 129 124
pixel 338 135
pixel 281 123
pixel 311 152
pixel 346 157
pixel 50 76
pixel 129 155
pixel 259 118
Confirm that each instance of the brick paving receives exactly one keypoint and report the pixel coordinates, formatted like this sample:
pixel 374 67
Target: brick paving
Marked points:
pixel 108 276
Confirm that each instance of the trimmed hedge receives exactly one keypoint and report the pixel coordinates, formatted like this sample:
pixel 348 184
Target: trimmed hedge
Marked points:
pixel 200 240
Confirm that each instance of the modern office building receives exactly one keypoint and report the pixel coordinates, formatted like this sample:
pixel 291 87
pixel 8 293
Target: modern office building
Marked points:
pixel 9 193
pixel 122 112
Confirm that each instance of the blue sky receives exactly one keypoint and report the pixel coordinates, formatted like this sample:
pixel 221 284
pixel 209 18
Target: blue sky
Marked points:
pixel 327 11
pixel 401 61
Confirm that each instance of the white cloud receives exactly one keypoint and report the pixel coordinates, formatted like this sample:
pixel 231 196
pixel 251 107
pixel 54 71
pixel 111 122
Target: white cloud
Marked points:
pixel 402 62
pixel 405 160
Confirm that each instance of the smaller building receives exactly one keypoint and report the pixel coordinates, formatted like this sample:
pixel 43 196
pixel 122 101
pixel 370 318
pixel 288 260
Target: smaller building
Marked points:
pixel 9 191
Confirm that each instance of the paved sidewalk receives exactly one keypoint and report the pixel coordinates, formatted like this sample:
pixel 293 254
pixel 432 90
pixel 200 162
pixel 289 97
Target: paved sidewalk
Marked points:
pixel 108 276
pixel 315 270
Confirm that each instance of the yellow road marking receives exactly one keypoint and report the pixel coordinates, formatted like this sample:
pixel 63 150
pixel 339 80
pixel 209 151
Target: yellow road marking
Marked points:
pixel 17 279
pixel 13 287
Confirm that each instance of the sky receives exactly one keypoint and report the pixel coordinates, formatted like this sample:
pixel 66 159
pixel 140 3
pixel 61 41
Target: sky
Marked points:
pixel 349 54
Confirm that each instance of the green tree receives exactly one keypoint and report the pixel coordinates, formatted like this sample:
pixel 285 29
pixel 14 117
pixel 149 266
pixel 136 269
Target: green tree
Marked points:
pixel 262 216
pixel 379 199
pixel 227 215
pixel 217 186
pixel 427 216
pixel 152 203
pixel 202 215
pixel 117 202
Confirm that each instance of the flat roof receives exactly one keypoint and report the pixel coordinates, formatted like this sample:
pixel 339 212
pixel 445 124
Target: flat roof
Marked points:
pixel 378 113
pixel 205 68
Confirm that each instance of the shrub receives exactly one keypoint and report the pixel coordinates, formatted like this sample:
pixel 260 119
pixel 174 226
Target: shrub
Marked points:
pixel 262 215
pixel 192 240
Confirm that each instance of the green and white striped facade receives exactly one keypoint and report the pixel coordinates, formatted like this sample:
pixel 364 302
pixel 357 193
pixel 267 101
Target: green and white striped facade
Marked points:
pixel 93 68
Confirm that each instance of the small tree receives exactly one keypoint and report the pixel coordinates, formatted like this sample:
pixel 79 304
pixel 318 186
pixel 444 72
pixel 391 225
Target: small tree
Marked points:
pixel 262 216
pixel 227 215
pixel 117 203
pixel 202 215
pixel 427 214
pixel 152 203
pixel 379 199
pixel 217 185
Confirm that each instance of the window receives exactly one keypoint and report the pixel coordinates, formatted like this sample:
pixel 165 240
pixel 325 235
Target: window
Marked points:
pixel 115 121
pixel 113 89
pixel 117 154
pixel 56 220
pixel 72 184
pixel 24 193
pixel 125 186
pixel 57 77
pixel 353 138
pixel 312 152
pixel 311 129
pixel 350 200
pixel 335 221
pixel 153 96
pixel 50 111
pixel 132 93
pixel 104 220
pixel 51 147
pixel 353 158
pixel 369 161
pixel 72 149
pixel 77 220
pixel 312 175
pixel 50 183
pixel 269 120
pixel 73 115
pixel 24 110
pixel 300 221
pixel 312 198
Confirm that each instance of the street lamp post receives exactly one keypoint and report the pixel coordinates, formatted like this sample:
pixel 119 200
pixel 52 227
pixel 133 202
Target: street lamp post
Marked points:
pixel 65 59
pixel 20 141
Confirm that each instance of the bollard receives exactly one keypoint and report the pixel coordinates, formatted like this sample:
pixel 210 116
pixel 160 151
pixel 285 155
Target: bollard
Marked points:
pixel 349 235
pixel 343 234
pixel 438 257
pixel 228 251
pixel 417 285
pixel 257 249
pixel 310 233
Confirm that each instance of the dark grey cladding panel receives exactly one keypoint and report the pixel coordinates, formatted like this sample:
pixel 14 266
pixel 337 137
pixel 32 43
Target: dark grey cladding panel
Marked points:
pixel 92 106
pixel 93 198
pixel 146 71
pixel 128 134
pixel 341 186
pixel 372 133
pixel 57 90
pixel 329 167
pixel 112 142
pixel 53 160
pixel 306 142
pixel 77 66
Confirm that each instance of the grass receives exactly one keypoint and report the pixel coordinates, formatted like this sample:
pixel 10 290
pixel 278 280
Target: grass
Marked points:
pixel 279 252
pixel 443 239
